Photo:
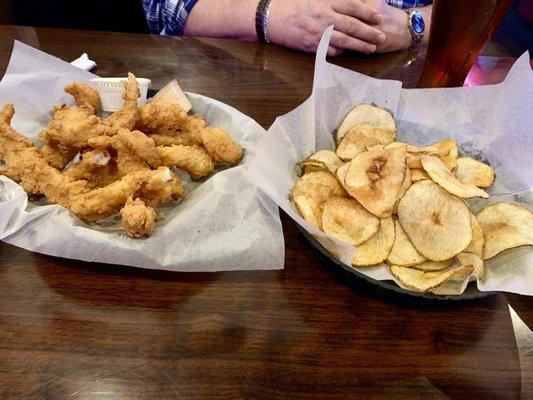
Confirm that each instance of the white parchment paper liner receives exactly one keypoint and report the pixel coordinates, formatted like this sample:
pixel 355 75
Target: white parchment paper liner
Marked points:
pixel 493 123
pixel 224 223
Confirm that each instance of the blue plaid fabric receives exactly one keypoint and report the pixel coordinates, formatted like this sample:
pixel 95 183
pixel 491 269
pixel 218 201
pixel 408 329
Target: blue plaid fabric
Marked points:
pixel 168 17
pixel 409 3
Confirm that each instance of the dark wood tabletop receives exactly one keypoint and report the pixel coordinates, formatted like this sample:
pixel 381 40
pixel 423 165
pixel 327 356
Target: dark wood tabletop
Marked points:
pixel 75 330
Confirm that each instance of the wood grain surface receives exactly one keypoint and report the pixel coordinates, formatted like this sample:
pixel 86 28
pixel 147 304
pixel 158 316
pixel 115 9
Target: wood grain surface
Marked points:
pixel 75 330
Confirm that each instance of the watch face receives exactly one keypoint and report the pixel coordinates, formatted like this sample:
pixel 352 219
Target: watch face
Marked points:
pixel 417 22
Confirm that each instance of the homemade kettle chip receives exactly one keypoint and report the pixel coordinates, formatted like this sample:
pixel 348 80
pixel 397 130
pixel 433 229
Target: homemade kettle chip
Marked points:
pixel 474 261
pixel 322 160
pixel 478 238
pixel 439 172
pixel 362 137
pixel 403 252
pixel 311 192
pixel 376 249
pixel 422 281
pixel 505 226
pixel 346 219
pixel 437 223
pixel 474 172
pixel 375 179
pixel 375 116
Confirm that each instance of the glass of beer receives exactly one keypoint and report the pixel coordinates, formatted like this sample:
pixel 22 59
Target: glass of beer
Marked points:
pixel 459 31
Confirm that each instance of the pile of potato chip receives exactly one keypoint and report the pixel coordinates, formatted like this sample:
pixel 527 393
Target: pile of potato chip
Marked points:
pixel 405 205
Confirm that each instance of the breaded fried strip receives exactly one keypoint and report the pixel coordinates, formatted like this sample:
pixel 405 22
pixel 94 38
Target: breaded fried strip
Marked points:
pixel 220 145
pixel 85 96
pixel 129 114
pixel 192 159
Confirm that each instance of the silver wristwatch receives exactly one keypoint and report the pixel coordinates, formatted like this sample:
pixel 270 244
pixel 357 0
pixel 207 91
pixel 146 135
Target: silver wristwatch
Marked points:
pixel 416 26
pixel 261 20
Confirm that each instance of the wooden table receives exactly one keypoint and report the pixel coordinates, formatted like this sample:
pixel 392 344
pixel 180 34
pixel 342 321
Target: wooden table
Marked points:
pixel 77 330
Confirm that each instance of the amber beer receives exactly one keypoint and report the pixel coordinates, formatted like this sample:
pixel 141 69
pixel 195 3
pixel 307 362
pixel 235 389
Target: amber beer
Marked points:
pixel 459 31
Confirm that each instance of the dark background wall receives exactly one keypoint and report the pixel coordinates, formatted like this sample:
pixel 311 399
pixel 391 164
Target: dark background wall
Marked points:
pixel 104 15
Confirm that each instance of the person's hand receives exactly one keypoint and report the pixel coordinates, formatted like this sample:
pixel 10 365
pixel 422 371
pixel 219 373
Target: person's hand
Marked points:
pixel 299 24
pixel 393 24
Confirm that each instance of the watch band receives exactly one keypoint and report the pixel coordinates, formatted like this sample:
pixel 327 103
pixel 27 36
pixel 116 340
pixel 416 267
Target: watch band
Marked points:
pixel 416 37
pixel 261 20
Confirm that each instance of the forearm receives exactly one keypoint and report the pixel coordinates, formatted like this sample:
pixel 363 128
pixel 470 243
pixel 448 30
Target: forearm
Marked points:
pixel 234 19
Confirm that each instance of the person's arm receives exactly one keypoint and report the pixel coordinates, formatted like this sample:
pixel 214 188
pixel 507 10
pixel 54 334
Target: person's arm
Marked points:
pixel 233 19
pixel 395 26
pixel 296 24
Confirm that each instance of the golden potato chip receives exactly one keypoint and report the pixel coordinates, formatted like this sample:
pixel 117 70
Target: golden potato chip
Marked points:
pixel 431 265
pixel 478 238
pixel 341 172
pixel 403 252
pixel 313 166
pixel 422 281
pixel 362 137
pixel 441 175
pixel 396 145
pixel 376 249
pixel 356 140
pixel 449 159
pixel 413 161
pixel 322 160
pixel 310 208
pixel 446 150
pixel 428 150
pixel 310 193
pixel 307 183
pixel 407 181
pixel 474 172
pixel 375 179
pixel 473 260
pixel 348 220
pixel 437 223
pixel 375 116
pixel 418 174
pixel 505 226
pixel 376 147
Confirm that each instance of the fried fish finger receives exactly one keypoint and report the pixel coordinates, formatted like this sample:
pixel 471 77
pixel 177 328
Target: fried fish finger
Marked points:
pixel 220 145
pixel 192 159
pixel 129 114
pixel 156 117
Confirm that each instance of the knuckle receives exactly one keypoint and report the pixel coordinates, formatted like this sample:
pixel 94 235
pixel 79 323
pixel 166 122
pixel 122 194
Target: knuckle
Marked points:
pixel 353 7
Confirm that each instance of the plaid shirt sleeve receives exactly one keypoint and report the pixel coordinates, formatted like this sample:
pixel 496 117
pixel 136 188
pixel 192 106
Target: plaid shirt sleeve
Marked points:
pixel 167 17
pixel 409 3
